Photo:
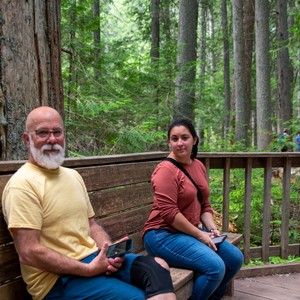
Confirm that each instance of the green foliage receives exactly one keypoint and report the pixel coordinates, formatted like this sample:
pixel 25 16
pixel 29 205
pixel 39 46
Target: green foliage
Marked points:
pixel 237 204
pixel 113 84
pixel 273 261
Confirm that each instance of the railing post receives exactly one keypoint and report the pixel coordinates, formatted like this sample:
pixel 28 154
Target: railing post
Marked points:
pixel 267 210
pixel 286 192
pixel 226 190
pixel 207 167
pixel 247 209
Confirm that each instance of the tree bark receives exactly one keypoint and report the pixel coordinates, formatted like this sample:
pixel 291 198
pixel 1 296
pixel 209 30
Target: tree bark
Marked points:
pixel 203 63
pixel 97 40
pixel 69 91
pixel 155 30
pixel 154 53
pixel 283 66
pixel 226 74
pixel 248 23
pixel 263 87
pixel 30 69
pixel 241 125
pixel 187 43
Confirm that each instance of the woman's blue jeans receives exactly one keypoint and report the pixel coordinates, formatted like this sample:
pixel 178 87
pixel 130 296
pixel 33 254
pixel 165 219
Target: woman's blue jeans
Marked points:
pixel 213 270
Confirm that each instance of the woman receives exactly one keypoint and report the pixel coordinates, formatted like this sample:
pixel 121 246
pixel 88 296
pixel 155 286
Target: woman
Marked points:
pixel 172 229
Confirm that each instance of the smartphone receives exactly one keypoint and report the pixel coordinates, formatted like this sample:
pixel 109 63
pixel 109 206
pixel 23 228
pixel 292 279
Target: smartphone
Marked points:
pixel 120 249
pixel 219 239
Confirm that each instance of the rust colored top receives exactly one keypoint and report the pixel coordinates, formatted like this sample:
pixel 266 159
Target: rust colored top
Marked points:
pixel 174 193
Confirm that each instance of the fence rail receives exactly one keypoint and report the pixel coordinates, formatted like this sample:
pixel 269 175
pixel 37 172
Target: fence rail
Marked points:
pixel 266 161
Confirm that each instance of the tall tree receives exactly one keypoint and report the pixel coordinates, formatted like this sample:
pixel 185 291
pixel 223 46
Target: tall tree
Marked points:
pixel 241 106
pixel 155 30
pixel 283 65
pixel 97 39
pixel 248 25
pixel 69 90
pixel 263 89
pixel 30 66
pixel 203 62
pixel 167 45
pixel 226 72
pixel 154 53
pixel 187 54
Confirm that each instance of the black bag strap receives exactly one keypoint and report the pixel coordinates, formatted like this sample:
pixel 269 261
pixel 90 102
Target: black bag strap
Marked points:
pixel 182 168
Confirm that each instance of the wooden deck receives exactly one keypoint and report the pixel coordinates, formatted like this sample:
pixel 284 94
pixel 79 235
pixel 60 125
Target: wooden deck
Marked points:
pixel 272 287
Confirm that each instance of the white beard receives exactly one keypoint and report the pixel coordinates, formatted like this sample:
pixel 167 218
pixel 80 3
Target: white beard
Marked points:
pixel 48 161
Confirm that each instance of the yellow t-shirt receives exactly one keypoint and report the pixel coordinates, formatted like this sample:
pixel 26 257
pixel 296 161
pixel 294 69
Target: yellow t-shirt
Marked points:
pixel 56 203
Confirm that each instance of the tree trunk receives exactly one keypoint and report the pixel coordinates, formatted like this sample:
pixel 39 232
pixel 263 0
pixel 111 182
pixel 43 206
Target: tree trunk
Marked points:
pixel 166 36
pixel 226 61
pixel 212 30
pixel 263 88
pixel 283 65
pixel 155 30
pixel 154 53
pixel 241 126
pixel 30 70
pixel 248 23
pixel 203 63
pixel 97 41
pixel 69 90
pixel 187 43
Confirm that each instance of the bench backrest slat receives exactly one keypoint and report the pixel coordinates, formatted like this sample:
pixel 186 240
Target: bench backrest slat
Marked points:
pixel 110 201
pixel 103 177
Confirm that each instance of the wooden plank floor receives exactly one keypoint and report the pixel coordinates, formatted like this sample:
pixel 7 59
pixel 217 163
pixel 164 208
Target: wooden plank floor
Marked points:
pixel 272 287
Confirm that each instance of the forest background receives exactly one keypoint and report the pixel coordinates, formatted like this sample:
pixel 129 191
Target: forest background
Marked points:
pixel 120 71
pixel 130 67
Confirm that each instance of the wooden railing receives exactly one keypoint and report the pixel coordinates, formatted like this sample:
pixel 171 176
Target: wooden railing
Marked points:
pixel 226 162
pixel 267 162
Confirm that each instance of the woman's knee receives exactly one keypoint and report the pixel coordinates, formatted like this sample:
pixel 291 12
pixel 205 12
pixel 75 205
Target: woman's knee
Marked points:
pixel 215 267
pixel 238 259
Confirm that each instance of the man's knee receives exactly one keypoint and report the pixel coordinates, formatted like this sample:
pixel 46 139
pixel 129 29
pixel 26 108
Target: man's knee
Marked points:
pixel 152 275
pixel 162 262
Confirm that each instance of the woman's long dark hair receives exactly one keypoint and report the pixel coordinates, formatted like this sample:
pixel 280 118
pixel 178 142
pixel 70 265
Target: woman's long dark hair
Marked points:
pixel 189 125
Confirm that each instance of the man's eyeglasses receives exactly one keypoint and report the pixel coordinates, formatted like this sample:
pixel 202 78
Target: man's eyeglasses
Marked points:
pixel 45 133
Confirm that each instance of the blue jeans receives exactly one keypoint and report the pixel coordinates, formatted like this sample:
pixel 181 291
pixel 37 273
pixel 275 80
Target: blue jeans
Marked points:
pixel 213 270
pixel 114 287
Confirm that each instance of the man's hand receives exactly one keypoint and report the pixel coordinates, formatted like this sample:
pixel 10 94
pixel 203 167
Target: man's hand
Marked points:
pixel 113 264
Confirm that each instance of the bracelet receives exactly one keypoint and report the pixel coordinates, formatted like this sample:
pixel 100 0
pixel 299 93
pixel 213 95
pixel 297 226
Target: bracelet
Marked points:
pixel 212 230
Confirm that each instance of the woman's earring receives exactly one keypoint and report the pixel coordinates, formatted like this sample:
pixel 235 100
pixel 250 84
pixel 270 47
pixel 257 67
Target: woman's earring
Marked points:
pixel 170 147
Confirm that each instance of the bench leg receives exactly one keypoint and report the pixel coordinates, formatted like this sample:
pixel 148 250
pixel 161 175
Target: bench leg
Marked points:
pixel 230 289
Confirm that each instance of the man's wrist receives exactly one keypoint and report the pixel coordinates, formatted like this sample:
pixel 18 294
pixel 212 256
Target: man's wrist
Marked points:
pixel 213 229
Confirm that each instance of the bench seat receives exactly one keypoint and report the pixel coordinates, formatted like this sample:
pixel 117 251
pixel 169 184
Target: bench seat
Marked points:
pixel 183 278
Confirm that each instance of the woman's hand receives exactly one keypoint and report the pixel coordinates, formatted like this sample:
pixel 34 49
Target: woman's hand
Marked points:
pixel 206 238
pixel 214 233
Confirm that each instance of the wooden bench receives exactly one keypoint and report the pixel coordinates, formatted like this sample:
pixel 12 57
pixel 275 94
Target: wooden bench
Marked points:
pixel 121 194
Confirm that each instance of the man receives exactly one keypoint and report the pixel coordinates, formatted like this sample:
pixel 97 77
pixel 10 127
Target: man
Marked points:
pixel 283 141
pixel 61 248
pixel 297 141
